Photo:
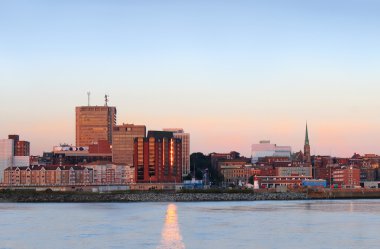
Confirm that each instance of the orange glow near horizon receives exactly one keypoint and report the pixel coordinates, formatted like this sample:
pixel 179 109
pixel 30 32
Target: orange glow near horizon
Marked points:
pixel 171 235
pixel 336 137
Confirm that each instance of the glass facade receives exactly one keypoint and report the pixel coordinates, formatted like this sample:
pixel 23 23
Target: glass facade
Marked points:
pixel 122 142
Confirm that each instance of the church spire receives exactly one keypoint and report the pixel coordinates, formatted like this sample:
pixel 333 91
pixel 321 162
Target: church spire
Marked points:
pixel 307 156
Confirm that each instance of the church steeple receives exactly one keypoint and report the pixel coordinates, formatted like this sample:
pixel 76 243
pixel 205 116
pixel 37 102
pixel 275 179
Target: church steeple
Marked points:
pixel 306 151
pixel 307 136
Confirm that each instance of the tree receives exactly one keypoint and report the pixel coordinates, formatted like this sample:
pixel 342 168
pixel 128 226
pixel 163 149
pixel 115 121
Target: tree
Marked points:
pixel 203 162
pixel 250 179
pixel 200 162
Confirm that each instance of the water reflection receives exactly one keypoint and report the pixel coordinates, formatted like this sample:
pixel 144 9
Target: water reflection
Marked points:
pixel 171 235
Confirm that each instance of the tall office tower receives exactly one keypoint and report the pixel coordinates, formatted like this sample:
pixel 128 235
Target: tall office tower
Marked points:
pixel 123 138
pixel 185 137
pixel 6 156
pixel 307 156
pixel 94 123
pixel 20 148
pixel 157 158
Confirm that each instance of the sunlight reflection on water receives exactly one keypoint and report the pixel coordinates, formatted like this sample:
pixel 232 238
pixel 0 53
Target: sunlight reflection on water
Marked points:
pixel 171 235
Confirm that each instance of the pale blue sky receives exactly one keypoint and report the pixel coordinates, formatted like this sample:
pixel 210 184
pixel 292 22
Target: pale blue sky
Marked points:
pixel 229 72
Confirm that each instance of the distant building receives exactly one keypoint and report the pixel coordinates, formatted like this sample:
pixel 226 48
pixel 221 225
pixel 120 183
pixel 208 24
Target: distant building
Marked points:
pixel 47 175
pixel 315 183
pixel 123 138
pixel 21 148
pixel 266 149
pixel 274 161
pixel 368 174
pixel 110 173
pixel 158 158
pixel 236 171
pixel 6 156
pixel 185 138
pixel 348 177
pixel 100 147
pixel 276 181
pixel 293 171
pixel 216 157
pixel 71 155
pixel 21 161
pixel 94 123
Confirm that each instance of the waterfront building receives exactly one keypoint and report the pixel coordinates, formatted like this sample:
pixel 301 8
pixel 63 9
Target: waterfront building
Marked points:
pixel 48 175
pixel 346 177
pixel 185 138
pixel 123 138
pixel 315 183
pixel 276 181
pixel 6 156
pixel 158 158
pixel 111 173
pixel 94 123
pixel 236 171
pixel 368 174
pixel 266 149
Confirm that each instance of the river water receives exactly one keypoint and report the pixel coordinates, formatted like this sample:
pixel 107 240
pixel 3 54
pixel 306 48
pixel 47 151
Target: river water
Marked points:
pixel 216 225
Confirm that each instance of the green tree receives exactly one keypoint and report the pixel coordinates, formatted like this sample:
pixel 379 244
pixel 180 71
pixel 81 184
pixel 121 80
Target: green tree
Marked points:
pixel 203 162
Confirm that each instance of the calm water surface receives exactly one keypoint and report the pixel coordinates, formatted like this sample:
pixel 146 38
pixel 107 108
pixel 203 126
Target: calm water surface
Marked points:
pixel 265 224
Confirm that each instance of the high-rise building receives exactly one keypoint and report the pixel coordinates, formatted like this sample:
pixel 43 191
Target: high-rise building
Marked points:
pixel 185 137
pixel 21 148
pixel 307 156
pixel 6 156
pixel 94 123
pixel 158 158
pixel 266 149
pixel 123 138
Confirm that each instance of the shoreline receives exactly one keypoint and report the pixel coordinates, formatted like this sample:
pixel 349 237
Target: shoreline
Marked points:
pixel 196 196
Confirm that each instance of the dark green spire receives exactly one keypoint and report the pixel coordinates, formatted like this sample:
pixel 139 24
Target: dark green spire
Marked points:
pixel 306 136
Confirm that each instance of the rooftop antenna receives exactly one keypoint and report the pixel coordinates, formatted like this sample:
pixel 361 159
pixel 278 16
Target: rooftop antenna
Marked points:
pixel 88 98
pixel 106 99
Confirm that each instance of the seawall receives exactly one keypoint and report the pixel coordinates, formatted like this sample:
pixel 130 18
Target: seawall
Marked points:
pixel 144 196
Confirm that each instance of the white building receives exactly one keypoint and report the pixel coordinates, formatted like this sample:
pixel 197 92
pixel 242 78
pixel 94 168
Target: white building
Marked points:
pixel 6 156
pixel 110 173
pixel 21 161
pixel 185 137
pixel 266 149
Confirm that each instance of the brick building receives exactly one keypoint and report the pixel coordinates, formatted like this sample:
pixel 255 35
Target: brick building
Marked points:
pixel 48 175
pixel 21 148
pixel 158 158
pixel 94 123
pixel 348 177
pixel 216 157
pixel 236 170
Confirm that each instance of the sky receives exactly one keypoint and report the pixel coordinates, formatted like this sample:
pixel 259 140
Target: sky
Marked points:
pixel 230 73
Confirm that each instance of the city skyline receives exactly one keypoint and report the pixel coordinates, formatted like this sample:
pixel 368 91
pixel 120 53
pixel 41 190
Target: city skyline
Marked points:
pixel 230 74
